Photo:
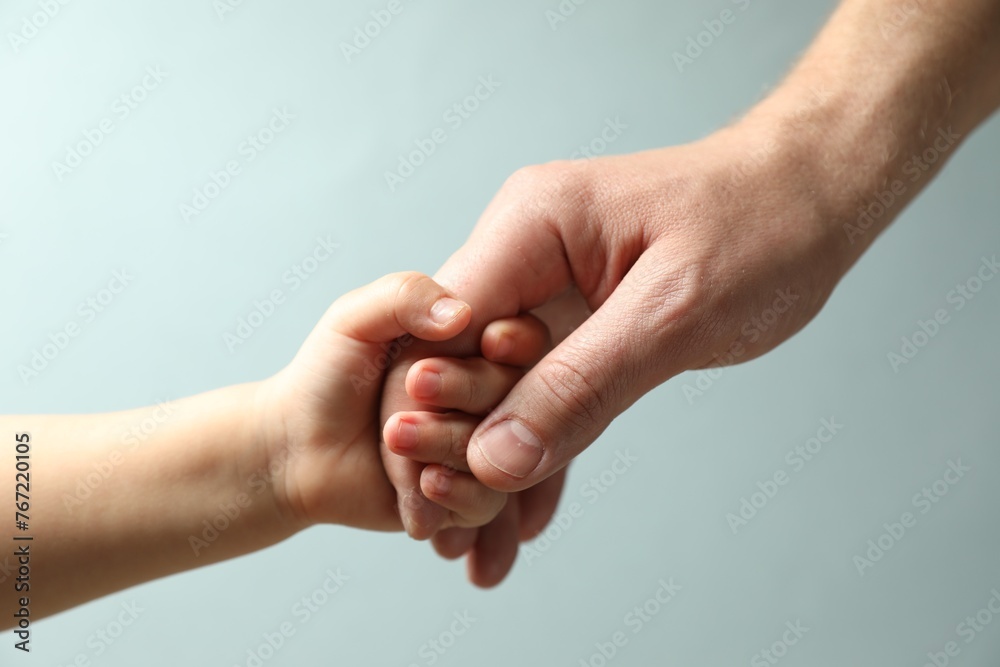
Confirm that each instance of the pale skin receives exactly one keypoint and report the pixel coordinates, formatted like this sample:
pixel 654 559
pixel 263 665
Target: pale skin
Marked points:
pixel 673 251
pixel 289 452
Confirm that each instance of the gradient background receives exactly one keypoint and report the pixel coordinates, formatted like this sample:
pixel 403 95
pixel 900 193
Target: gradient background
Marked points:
pixel 665 518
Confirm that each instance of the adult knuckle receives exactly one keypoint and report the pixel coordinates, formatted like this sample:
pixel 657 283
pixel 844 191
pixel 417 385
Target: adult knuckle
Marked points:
pixel 579 399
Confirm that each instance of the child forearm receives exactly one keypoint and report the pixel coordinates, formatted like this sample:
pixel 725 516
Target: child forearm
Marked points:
pixel 117 499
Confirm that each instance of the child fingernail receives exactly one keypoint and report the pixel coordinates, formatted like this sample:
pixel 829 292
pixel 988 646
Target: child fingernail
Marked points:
pixel 428 384
pixel 504 346
pixel 441 483
pixel 445 310
pixel 406 435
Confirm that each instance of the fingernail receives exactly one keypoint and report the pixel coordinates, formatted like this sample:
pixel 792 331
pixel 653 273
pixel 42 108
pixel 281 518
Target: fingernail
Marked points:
pixel 504 346
pixel 512 448
pixel 406 435
pixel 442 484
pixel 445 310
pixel 428 384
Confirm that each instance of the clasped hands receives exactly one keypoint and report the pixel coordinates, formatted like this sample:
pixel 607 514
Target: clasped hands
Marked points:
pixel 326 429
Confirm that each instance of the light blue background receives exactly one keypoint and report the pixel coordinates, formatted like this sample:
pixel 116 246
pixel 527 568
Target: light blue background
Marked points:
pixel 666 517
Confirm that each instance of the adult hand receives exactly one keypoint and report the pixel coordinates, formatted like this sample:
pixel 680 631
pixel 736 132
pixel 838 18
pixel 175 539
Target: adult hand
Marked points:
pixel 705 254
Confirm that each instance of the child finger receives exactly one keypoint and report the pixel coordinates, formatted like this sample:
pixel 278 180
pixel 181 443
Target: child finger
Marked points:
pixel 516 341
pixel 431 437
pixel 399 304
pixel 471 504
pixel 474 386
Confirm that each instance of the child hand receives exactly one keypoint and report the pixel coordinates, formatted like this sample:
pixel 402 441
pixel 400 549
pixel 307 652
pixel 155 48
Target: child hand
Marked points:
pixel 473 386
pixel 319 417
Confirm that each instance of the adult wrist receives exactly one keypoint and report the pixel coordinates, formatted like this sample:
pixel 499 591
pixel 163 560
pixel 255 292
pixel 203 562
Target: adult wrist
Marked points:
pixel 861 156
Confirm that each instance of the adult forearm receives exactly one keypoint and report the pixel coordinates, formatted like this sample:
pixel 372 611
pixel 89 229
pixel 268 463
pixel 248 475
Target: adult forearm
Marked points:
pixel 879 103
pixel 123 498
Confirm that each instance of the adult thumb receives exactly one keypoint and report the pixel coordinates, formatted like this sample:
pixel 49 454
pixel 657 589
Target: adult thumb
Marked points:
pixel 632 343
